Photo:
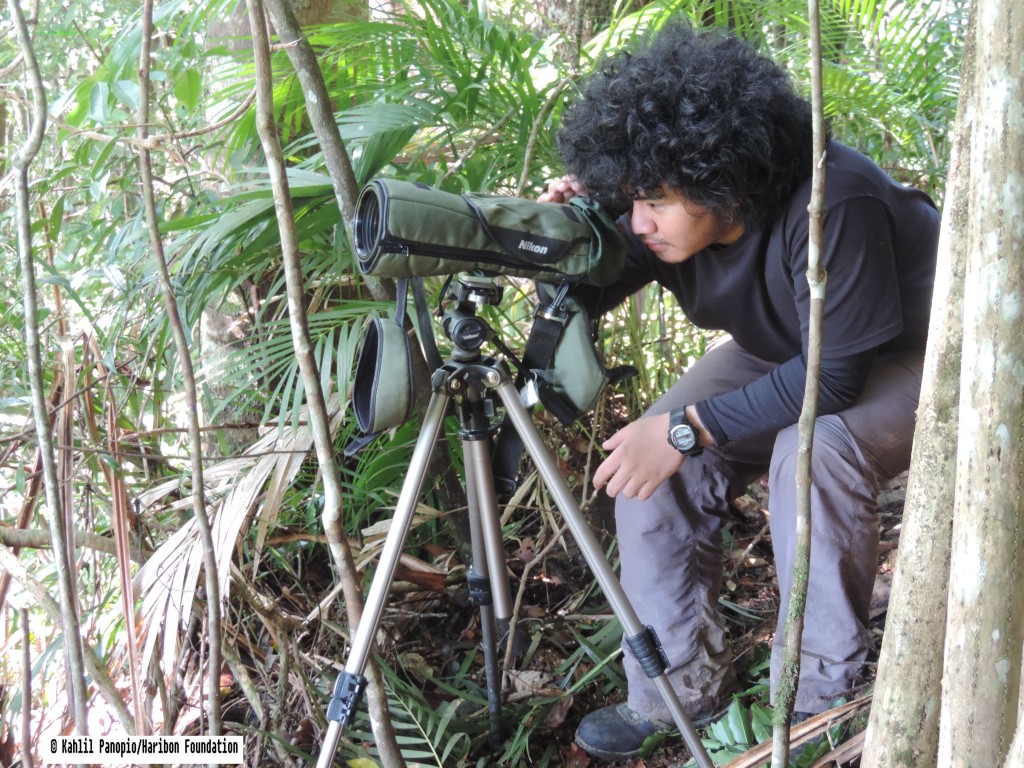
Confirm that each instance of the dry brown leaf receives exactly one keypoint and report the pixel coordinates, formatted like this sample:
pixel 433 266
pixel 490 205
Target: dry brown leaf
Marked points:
pixel 556 716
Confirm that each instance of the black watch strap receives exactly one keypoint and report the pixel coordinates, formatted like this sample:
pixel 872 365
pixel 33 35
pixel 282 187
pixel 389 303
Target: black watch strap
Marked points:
pixel 682 435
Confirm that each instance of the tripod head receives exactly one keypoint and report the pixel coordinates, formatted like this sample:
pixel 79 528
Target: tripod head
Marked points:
pixel 461 325
pixel 475 289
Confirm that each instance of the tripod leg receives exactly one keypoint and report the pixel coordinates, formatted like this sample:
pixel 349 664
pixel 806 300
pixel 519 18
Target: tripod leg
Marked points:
pixel 488 583
pixel 350 684
pixel 480 482
pixel 639 638
pixel 481 594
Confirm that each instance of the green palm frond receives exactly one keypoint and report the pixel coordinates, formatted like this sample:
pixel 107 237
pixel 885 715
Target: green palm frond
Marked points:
pixel 476 86
pixel 220 250
pixel 428 735
pixel 266 370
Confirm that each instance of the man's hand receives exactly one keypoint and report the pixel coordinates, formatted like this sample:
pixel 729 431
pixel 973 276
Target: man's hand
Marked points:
pixel 562 191
pixel 641 459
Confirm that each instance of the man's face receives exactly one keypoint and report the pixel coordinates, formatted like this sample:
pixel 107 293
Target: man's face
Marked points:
pixel 675 229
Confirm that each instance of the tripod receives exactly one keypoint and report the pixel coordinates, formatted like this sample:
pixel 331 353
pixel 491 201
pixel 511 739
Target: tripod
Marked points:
pixel 470 380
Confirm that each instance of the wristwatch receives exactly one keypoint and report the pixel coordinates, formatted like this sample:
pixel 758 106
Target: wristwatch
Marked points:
pixel 682 435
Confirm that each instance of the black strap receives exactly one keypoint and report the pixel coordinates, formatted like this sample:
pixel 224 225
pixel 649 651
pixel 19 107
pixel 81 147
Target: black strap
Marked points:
pixel 356 445
pixel 539 354
pixel 426 326
pixel 549 320
pixel 505 457
pixel 401 298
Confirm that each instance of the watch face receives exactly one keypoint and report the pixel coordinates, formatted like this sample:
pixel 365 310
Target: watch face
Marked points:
pixel 683 437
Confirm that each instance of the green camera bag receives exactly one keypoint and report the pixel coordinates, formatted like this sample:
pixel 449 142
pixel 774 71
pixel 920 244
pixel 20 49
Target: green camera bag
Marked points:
pixel 562 357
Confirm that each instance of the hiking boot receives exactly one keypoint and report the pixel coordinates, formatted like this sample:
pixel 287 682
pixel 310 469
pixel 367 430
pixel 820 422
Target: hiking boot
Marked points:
pixel 617 732
pixel 620 733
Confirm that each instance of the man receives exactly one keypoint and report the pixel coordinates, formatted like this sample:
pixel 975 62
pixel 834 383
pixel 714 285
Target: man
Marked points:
pixel 705 148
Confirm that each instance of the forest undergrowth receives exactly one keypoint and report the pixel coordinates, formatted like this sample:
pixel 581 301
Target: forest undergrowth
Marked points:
pixel 562 662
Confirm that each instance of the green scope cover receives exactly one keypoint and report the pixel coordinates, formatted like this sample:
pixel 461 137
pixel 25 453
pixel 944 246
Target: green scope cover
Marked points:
pixel 407 229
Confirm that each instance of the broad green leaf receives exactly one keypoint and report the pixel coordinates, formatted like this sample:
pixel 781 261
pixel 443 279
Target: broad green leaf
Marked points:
pixel 78 98
pixel 99 164
pixel 53 279
pixel 188 88
pixel 127 92
pixel 98 98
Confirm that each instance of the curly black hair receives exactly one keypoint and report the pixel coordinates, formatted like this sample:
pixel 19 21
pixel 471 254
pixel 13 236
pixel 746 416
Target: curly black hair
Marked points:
pixel 700 113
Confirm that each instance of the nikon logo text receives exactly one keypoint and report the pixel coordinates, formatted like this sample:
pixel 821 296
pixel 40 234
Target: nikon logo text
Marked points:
pixel 526 245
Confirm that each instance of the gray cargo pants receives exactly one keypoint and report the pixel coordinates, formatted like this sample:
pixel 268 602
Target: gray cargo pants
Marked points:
pixel 671 544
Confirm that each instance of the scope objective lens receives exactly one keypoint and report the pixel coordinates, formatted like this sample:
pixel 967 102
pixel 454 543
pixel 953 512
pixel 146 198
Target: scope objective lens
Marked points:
pixel 367 227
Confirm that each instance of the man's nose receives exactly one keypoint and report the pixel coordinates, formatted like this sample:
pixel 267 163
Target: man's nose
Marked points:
pixel 640 222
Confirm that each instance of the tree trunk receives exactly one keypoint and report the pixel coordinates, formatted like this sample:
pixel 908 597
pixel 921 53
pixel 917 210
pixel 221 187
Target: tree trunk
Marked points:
pixel 904 726
pixel 985 627
pixel 62 548
pixel 188 379
pixel 786 687
pixel 384 734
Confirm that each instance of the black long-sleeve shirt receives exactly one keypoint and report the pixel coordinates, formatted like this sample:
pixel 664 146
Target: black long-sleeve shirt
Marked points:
pixel 880 241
